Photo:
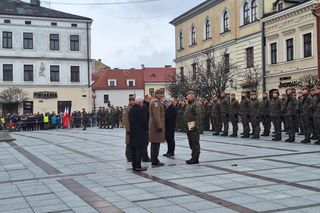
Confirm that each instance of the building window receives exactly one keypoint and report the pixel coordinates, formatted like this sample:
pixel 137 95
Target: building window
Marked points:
pixel 194 71
pixel 225 21
pixel 6 21
pixel 28 40
pixel 54 73
pixel 106 99
pixel 290 50
pixel 180 40
pixel 181 71
pixel 112 82
pixel 75 74
pixel 74 25
pixel 74 42
pixel 54 24
pixel 207 29
pixel 227 62
pixel 131 83
pixel 250 57
pixel 307 45
pixel 193 35
pixel 246 14
pixel 254 11
pixel 27 22
pixel 7 40
pixel 27 107
pixel 7 72
pixel 274 53
pixel 54 41
pixel 280 6
pixel 151 91
pixel 28 72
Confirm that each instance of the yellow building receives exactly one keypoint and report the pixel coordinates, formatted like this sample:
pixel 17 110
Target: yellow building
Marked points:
pixel 228 26
pixel 291 44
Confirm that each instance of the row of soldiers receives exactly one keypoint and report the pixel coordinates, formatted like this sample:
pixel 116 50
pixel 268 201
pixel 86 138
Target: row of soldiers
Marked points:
pixel 296 112
pixel 109 118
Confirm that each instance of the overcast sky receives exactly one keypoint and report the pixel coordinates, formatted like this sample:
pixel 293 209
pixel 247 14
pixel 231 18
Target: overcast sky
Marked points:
pixel 126 36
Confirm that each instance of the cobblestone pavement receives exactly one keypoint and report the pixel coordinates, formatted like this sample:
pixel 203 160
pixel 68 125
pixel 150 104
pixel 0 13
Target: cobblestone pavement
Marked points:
pixel 86 171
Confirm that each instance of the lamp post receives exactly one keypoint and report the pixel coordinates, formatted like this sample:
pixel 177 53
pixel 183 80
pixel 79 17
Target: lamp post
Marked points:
pixel 94 96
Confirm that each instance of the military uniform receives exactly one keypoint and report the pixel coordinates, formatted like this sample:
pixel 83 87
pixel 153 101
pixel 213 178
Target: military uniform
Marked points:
pixel 299 108
pixel 206 116
pixel 85 119
pixel 216 117
pixel 316 115
pixel 225 106
pixel 103 118
pixel 99 117
pixel 289 111
pixel 255 118
pixel 276 106
pixel 156 128
pixel 128 151
pixel 245 116
pixel 305 116
pixel 234 116
pixel 265 116
pixel 181 121
pixel 193 118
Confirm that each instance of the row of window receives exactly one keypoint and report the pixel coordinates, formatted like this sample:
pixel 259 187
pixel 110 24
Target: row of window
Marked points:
pixel 113 82
pixel 307 49
pixel 28 73
pixel 28 40
pixel 54 24
pixel 249 12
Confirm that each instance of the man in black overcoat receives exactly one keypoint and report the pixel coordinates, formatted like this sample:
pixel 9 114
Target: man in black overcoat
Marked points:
pixel 170 126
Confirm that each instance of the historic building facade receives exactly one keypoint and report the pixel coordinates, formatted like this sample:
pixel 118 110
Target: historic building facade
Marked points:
pixel 291 43
pixel 232 28
pixel 47 54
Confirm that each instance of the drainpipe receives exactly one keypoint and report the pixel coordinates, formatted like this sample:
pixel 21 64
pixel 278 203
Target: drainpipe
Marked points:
pixel 88 55
pixel 263 43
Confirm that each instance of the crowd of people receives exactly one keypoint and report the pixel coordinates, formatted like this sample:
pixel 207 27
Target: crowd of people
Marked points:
pixel 295 113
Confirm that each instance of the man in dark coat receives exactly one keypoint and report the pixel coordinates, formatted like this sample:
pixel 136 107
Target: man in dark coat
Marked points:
pixel 146 105
pixel 138 134
pixel 85 119
pixel 170 126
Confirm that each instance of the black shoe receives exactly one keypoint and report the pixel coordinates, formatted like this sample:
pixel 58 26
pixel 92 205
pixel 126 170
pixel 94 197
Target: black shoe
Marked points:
pixel 216 133
pixel 306 141
pixel 265 135
pixel 317 142
pixel 251 133
pixel 129 160
pixel 169 155
pixel 245 136
pixel 158 164
pixel 192 161
pixel 141 169
pixel 290 140
pixel 233 135
pixel 276 139
pixel 224 134
pixel 242 133
pixel 147 160
pixel 314 137
pixel 255 137
pixel 300 133
pixel 165 155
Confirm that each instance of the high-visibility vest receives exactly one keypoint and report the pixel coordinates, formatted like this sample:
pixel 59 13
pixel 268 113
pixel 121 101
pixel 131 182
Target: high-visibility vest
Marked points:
pixel 46 119
pixel 3 121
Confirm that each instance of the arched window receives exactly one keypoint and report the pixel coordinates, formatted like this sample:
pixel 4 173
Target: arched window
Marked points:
pixel 193 35
pixel 246 14
pixel 180 40
pixel 254 11
pixel 225 21
pixel 207 29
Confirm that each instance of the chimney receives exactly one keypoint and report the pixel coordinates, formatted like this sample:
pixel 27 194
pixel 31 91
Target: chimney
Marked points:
pixel 99 60
pixel 142 66
pixel 35 3
pixel 167 66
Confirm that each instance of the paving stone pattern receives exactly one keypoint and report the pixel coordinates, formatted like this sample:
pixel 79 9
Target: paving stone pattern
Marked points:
pixel 86 171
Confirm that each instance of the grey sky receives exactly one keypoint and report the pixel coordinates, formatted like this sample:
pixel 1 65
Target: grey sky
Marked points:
pixel 127 36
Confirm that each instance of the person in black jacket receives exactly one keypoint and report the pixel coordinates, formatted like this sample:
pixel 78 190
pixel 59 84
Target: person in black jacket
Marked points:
pixel 138 134
pixel 170 126
pixel 146 103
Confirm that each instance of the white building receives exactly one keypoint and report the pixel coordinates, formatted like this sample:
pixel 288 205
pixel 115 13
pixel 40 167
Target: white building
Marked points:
pixel 47 54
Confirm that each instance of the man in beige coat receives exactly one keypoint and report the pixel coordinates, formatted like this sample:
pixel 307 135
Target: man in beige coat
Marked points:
pixel 156 126
pixel 127 128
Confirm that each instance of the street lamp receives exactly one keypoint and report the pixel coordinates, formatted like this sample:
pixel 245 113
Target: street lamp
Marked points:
pixel 94 96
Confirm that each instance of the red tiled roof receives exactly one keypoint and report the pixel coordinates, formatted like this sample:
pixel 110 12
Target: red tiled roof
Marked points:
pixel 121 75
pixel 159 75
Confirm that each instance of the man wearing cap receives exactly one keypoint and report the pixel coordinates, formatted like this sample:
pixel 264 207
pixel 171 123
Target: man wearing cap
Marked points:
pixel 156 126
pixel 289 111
pixel 103 118
pixel 265 114
pixel 305 114
pixel 128 152
pixel 193 118
pixel 276 115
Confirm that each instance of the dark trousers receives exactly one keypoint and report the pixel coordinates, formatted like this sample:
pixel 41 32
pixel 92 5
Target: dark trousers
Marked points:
pixel 145 152
pixel 234 122
pixel 225 121
pixel 194 143
pixel 266 122
pixel 155 148
pixel 306 126
pixel 291 126
pixel 128 152
pixel 171 143
pixel 276 120
pixel 255 122
pixel 85 124
pixel 245 123
pixel 216 124
pixel 137 153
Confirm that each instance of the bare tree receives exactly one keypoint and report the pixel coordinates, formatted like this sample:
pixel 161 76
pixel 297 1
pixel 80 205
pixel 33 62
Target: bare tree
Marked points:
pixel 13 95
pixel 252 78
pixel 310 80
